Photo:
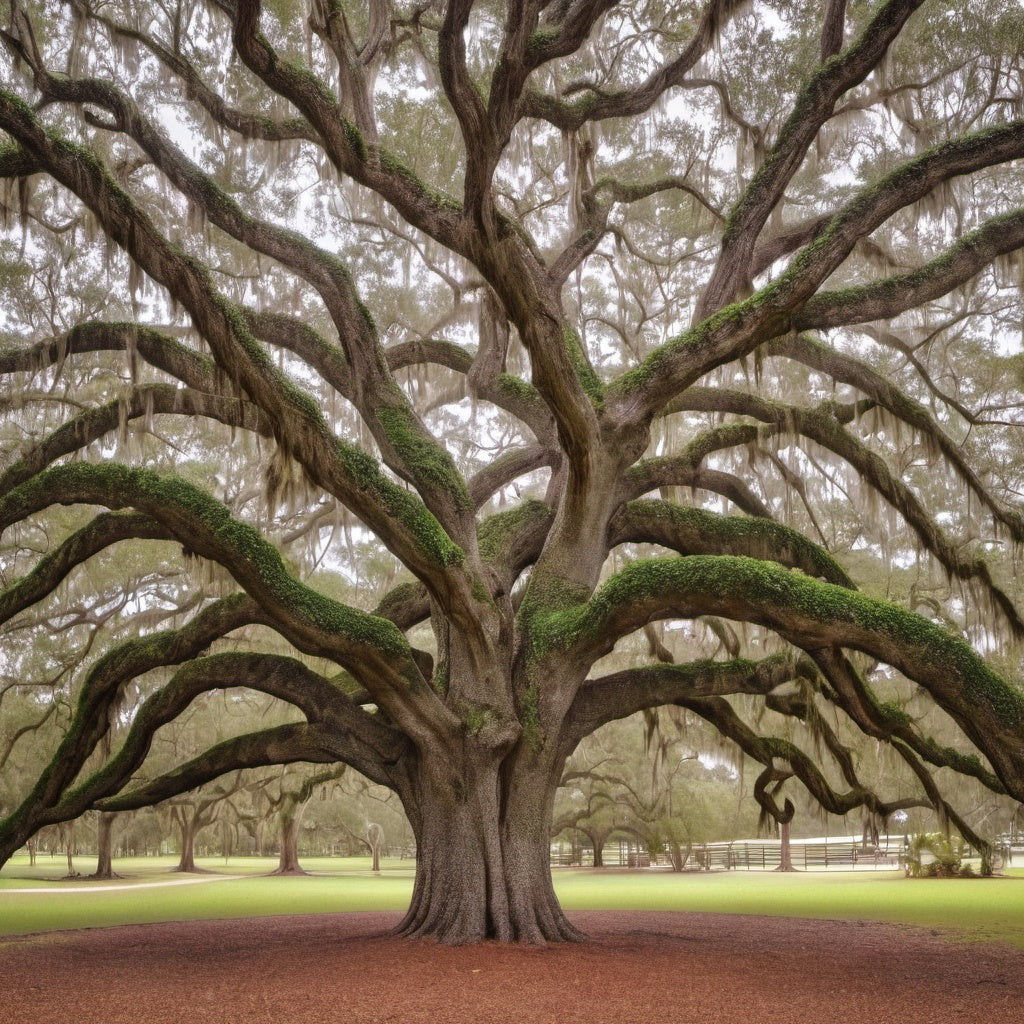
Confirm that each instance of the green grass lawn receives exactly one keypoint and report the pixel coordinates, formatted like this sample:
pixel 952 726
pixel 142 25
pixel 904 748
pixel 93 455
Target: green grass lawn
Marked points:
pixel 982 909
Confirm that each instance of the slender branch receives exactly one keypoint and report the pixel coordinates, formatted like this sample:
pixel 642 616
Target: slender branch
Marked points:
pixel 144 401
pixel 438 215
pixel 507 392
pixel 600 106
pixel 842 367
pixel 26 730
pixel 770 312
pixel 249 126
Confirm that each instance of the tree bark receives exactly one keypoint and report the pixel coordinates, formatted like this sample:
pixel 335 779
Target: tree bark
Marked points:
pixel 483 853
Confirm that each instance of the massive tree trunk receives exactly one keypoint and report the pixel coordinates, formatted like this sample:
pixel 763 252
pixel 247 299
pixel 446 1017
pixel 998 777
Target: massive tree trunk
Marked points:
pixel 483 852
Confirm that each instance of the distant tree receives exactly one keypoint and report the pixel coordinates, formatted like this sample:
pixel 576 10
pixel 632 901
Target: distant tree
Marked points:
pixel 105 846
pixel 561 317
pixel 288 797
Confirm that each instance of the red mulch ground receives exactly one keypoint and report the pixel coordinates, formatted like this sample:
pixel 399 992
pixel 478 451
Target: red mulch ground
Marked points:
pixel 638 968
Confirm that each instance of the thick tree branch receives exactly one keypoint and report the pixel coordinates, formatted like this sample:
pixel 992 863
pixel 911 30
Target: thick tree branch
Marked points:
pixel 736 330
pixel 156 348
pixel 812 108
pixel 886 722
pixel 810 615
pixel 696 531
pixel 143 401
pixel 600 106
pixel 337 730
pixel 888 298
pixel 621 694
pixel 282 744
pixel 670 471
pixel 105 530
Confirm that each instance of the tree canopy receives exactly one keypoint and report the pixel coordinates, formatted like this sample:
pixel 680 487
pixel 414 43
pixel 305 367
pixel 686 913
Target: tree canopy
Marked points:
pixel 397 360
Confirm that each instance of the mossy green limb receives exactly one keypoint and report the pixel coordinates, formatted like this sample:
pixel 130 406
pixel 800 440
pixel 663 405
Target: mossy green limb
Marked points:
pixel 423 458
pixel 408 509
pixel 810 614
pixel 513 533
pixel 207 527
pixel 690 530
pixel 588 379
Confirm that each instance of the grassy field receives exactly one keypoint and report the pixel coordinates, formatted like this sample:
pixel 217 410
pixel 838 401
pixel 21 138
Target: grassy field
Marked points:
pixel 982 909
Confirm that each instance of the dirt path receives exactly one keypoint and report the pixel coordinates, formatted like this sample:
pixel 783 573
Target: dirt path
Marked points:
pixel 60 887
pixel 638 968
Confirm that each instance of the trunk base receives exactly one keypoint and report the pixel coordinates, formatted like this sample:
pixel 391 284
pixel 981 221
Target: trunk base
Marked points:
pixel 457 932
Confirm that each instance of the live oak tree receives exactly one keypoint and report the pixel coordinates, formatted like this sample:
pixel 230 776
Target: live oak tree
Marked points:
pixel 587 314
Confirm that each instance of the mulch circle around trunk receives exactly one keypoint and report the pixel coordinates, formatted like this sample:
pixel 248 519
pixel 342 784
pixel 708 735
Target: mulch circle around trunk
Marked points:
pixel 637 968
